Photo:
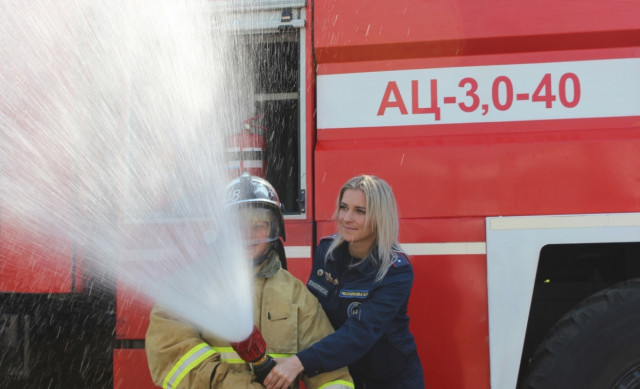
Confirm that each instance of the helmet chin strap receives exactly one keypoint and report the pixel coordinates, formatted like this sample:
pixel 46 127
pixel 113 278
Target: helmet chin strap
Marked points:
pixel 257 261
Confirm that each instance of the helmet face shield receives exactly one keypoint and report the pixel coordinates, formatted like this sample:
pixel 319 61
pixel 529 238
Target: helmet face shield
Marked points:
pixel 258 225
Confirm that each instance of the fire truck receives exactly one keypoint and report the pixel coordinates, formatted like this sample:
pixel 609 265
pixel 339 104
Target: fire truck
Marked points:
pixel 510 133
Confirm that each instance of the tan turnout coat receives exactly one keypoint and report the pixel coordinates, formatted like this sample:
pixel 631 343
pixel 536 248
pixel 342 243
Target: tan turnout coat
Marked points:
pixel 288 316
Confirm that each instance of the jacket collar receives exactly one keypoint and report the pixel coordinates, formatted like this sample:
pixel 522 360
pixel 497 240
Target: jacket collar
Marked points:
pixel 342 253
pixel 269 267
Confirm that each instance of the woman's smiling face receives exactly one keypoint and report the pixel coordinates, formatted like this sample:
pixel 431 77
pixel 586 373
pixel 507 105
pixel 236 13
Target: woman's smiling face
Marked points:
pixel 351 219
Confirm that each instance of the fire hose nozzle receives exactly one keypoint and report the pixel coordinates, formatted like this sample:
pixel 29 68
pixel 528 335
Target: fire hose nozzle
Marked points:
pixel 253 350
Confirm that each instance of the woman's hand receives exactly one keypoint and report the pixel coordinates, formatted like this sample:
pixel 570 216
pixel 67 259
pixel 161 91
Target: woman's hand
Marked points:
pixel 284 373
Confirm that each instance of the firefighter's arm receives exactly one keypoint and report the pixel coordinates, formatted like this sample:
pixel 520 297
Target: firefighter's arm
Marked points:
pixel 178 357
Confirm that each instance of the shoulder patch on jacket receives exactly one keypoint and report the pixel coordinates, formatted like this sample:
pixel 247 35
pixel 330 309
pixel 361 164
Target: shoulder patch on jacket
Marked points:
pixel 400 261
pixel 311 284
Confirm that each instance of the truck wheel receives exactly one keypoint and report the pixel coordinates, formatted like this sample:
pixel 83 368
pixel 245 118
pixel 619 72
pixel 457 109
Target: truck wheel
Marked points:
pixel 594 346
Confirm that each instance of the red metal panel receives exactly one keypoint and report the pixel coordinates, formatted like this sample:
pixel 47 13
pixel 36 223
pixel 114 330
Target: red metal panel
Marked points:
pixel 428 230
pixel 130 370
pixel 299 268
pixel 630 51
pixel 442 230
pixel 369 30
pixel 448 311
pixel 299 234
pixel 490 174
pixel 34 263
pixel 132 313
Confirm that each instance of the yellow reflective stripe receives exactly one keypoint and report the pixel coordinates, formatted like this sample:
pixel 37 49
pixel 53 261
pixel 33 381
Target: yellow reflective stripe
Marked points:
pixel 281 355
pixel 188 361
pixel 228 355
pixel 337 384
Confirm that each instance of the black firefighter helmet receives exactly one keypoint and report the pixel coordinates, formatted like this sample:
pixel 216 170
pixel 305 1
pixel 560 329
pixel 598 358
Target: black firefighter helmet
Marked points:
pixel 249 192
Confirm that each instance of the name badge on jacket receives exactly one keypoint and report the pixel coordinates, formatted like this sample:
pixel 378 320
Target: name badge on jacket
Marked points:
pixel 354 293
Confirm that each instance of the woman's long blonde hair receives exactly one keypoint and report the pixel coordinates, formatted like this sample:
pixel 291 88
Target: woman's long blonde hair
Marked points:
pixel 381 214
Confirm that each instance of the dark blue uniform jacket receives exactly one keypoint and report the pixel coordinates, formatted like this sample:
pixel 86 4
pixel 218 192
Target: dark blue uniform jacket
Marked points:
pixel 372 327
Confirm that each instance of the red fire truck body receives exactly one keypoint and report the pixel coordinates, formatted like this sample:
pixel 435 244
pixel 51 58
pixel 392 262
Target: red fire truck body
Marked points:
pixel 478 115
pixel 510 134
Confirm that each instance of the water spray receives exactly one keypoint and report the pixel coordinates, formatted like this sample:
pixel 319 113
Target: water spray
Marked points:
pixel 113 118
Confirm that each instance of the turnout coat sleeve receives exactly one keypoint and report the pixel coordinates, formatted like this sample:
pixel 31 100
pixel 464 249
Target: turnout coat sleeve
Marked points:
pixel 167 342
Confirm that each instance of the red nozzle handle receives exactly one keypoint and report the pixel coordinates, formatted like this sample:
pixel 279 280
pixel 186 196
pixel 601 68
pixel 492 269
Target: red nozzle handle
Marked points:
pixel 253 348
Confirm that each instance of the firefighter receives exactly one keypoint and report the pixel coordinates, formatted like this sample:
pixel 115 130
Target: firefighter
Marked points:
pixel 363 281
pixel 286 313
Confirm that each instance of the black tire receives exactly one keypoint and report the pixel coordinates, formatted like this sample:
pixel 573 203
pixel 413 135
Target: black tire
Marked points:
pixel 594 346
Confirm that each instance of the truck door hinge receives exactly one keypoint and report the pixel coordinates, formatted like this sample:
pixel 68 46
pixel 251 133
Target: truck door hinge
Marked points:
pixel 302 200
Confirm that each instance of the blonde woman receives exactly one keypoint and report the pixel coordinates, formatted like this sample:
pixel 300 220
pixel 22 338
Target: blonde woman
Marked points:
pixel 363 281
